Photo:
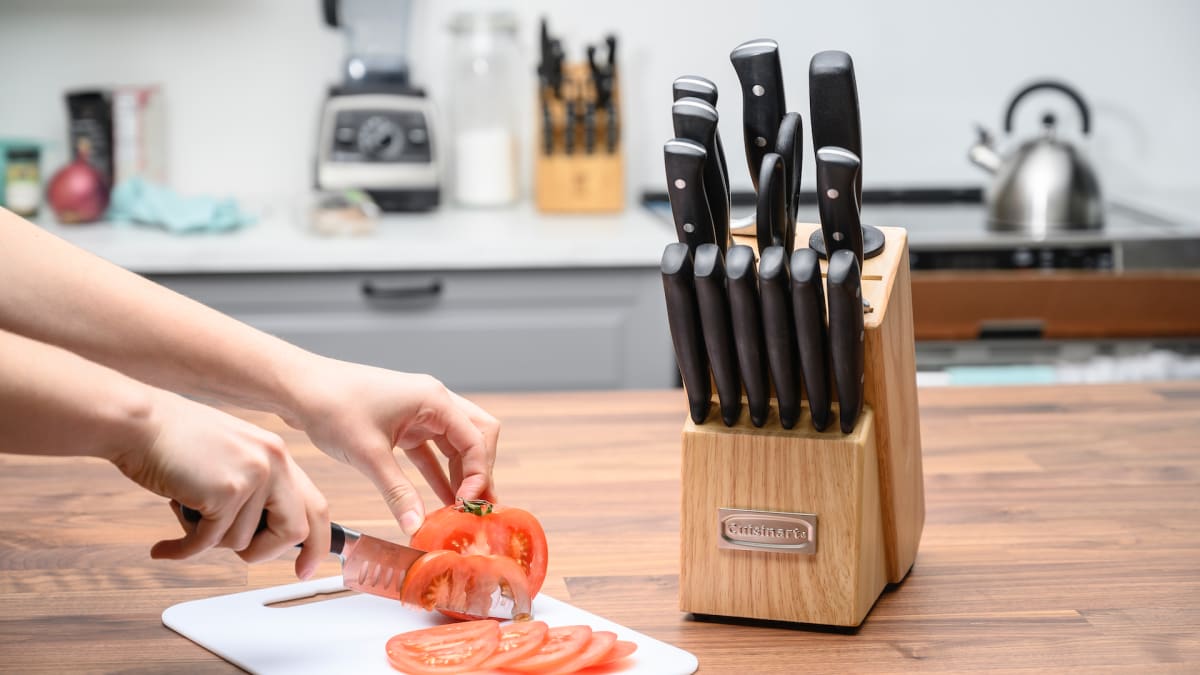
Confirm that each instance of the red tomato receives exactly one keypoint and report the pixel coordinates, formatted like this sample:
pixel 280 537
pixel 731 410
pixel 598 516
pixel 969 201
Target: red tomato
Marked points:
pixel 516 641
pixel 562 645
pixel 451 648
pixel 479 527
pixel 464 584
pixel 596 649
pixel 620 650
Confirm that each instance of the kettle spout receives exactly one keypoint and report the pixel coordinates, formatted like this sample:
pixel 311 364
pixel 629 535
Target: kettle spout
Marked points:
pixel 982 154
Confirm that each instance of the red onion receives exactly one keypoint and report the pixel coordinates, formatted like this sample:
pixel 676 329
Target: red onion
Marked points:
pixel 78 193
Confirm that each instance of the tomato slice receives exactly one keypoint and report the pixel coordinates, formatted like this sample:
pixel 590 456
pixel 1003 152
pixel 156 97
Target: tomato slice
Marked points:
pixel 597 648
pixel 450 648
pixel 465 584
pixel 517 640
pixel 562 644
pixel 480 528
pixel 620 650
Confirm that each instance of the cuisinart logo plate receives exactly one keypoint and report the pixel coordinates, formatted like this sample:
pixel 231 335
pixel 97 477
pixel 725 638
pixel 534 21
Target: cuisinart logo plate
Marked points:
pixel 748 530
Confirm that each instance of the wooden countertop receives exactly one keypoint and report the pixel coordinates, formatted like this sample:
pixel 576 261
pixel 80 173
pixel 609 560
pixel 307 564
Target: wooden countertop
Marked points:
pixel 1062 534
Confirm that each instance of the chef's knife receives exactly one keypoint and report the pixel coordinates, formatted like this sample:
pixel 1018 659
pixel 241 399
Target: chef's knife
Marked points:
pixel 763 106
pixel 789 144
pixel 696 120
pixel 837 170
pixel 808 309
pixel 846 334
pixel 684 162
pixel 748 331
pixel 683 316
pixel 774 283
pixel 833 107
pixel 771 215
pixel 718 331
pixel 703 89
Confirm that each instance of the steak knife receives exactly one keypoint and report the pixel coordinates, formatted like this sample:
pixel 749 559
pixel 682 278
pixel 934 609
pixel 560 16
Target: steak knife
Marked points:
pixel 703 89
pixel 837 171
pixel 771 214
pixel 808 309
pixel 748 331
pixel 846 335
pixel 683 316
pixel 696 120
pixel 833 107
pixel 779 329
pixel 684 162
pixel 763 105
pixel 715 321
pixel 789 144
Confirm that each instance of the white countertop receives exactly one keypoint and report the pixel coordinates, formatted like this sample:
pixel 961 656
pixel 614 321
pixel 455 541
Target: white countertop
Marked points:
pixel 445 239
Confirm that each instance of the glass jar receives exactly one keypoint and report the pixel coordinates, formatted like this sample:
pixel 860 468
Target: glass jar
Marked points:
pixel 485 71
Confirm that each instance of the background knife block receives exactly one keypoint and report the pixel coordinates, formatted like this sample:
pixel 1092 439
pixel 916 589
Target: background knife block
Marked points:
pixel 579 182
pixel 866 488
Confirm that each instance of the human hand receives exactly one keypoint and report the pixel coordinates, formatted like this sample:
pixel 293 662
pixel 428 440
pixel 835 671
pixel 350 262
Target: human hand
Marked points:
pixel 359 414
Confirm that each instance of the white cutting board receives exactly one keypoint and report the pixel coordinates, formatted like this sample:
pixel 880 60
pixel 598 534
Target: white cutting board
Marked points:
pixel 348 634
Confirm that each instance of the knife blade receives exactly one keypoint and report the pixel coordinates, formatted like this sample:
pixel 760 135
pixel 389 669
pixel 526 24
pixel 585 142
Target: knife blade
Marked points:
pixel 833 107
pixel 684 161
pixel 763 105
pixel 789 144
pixel 837 171
pixel 703 89
pixel 771 214
pixel 808 309
pixel 696 120
pixel 744 308
pixel 774 282
pixel 715 322
pixel 846 335
pixel 683 317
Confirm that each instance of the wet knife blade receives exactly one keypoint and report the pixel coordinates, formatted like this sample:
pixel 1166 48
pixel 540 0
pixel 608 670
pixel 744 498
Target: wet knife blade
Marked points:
pixel 837 170
pixel 763 104
pixel 771 214
pixel 789 144
pixel 696 120
pixel 684 161
pixel 779 329
pixel 746 313
pixel 703 89
pixel 833 107
pixel 683 317
pixel 715 321
pixel 846 335
pixel 808 309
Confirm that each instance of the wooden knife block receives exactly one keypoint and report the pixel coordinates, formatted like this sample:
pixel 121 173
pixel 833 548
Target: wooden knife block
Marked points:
pixel 865 488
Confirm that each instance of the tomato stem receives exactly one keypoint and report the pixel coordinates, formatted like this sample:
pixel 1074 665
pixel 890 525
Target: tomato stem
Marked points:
pixel 479 507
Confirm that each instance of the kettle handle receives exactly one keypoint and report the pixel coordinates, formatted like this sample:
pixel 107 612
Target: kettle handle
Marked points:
pixel 1084 111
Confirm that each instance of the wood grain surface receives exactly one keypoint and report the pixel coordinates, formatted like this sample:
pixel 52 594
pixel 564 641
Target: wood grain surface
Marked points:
pixel 1062 535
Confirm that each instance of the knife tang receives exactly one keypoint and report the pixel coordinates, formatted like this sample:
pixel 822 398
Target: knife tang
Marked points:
pixel 846 335
pixel 683 317
pixel 696 120
pixel 837 170
pixel 703 89
pixel 779 329
pixel 833 107
pixel 748 338
pixel 711 297
pixel 771 214
pixel 808 308
pixel 684 162
pixel 763 105
pixel 789 143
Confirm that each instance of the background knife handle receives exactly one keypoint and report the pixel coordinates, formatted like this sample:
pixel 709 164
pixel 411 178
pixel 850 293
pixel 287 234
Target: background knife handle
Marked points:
pixel 696 120
pixel 337 538
pixel 846 335
pixel 789 143
pixel 779 328
pixel 684 161
pixel 711 297
pixel 683 317
pixel 703 89
pixel 756 63
pixel 833 106
pixel 771 214
pixel 744 309
pixel 837 169
pixel 808 309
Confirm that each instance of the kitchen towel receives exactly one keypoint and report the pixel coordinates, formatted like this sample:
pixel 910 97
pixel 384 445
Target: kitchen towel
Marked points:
pixel 138 201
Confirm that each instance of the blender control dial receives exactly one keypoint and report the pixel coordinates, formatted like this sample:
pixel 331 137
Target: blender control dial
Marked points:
pixel 380 138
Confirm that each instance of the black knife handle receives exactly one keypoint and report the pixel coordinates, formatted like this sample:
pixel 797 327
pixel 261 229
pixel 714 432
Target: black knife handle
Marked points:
pixel 718 330
pixel 833 106
pixel 683 316
pixel 696 120
pixel 837 169
pixel 846 335
pixel 745 311
pixel 703 89
pixel 756 63
pixel 774 283
pixel 789 143
pixel 808 309
pixel 771 214
pixel 684 162
pixel 337 533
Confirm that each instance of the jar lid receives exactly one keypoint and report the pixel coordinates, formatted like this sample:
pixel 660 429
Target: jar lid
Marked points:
pixel 464 22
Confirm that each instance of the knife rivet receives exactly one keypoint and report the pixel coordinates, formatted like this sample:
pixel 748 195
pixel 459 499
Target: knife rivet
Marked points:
pixel 832 193
pixel 760 142
pixel 838 236
pixel 861 335
pixel 758 90
pixel 680 183
pixel 857 291
pixel 689 228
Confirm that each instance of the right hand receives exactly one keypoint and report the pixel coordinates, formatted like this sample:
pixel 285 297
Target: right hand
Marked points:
pixel 230 471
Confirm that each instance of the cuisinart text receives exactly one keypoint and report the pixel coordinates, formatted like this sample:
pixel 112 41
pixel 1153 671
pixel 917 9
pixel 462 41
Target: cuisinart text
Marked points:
pixel 747 529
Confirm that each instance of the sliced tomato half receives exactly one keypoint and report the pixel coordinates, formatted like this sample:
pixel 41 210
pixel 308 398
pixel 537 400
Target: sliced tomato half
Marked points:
pixel 479 527
pixel 450 648
pixel 464 585
pixel 517 640
pixel 597 648
pixel 620 650
pixel 562 644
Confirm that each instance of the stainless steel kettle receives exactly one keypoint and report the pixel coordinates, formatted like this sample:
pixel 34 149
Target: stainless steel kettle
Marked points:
pixel 1046 184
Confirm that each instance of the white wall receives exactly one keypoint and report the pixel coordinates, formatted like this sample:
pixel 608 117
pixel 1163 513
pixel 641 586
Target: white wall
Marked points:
pixel 245 78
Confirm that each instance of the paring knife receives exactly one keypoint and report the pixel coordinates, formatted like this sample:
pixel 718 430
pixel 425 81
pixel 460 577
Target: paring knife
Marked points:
pixel 837 171
pixel 846 334
pixel 763 106
pixel 696 120
pixel 789 144
pixel 774 282
pixel 833 107
pixel 771 214
pixel 808 309
pixel 684 162
pixel 703 89
pixel 748 331
pixel 718 331
pixel 683 316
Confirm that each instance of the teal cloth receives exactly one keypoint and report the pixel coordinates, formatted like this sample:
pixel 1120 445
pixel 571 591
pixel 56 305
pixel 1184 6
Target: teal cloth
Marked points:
pixel 137 201
pixel 1001 375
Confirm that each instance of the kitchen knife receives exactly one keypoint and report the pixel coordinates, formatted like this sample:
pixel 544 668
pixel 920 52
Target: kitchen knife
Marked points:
pixel 703 89
pixel 837 170
pixel 779 329
pixel 763 106
pixel 742 281
pixel 683 317
pixel 808 310
pixel 789 144
pixel 711 298
pixel 589 127
pixel 771 215
pixel 569 126
pixel 833 107
pixel 846 334
pixel 684 162
pixel 696 120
